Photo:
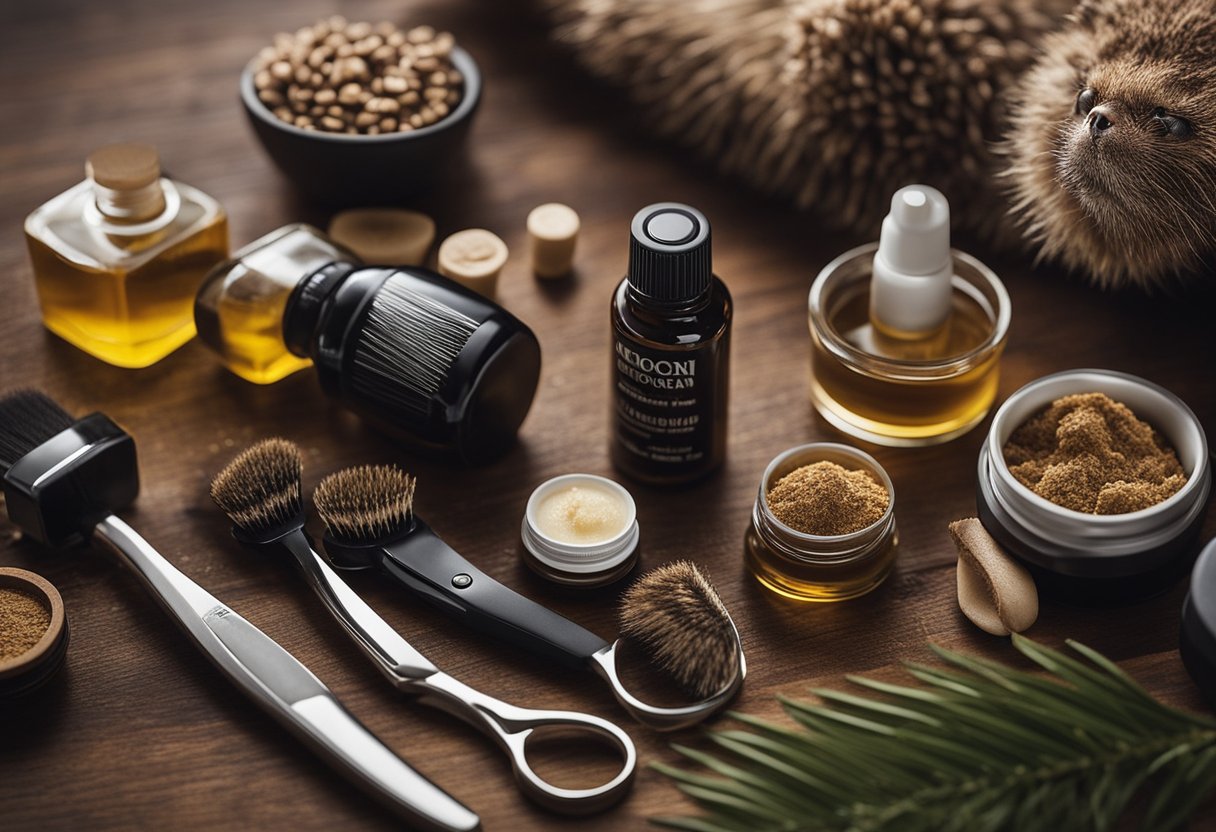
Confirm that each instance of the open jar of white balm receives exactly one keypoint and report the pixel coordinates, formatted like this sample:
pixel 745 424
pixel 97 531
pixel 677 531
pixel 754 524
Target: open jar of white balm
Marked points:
pixel 581 530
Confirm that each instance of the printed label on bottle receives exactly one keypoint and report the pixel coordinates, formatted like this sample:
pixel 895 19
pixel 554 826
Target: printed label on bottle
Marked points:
pixel 663 403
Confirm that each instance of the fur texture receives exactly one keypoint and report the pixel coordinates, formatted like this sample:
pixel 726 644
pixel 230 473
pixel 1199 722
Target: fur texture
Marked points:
pixel 1113 141
pixel 835 104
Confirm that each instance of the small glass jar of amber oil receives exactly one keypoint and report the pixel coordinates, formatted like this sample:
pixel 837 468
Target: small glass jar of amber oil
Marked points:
pixel 907 333
pixel 897 391
pixel 823 527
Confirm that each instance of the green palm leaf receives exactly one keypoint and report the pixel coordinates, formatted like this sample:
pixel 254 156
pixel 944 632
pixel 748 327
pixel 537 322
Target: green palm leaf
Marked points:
pixel 979 747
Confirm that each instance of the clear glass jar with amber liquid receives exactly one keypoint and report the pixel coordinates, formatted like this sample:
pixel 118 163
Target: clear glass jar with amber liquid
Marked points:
pixel 899 388
pixel 118 258
pixel 809 567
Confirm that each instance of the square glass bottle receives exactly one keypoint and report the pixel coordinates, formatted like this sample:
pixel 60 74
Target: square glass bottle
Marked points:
pixel 118 258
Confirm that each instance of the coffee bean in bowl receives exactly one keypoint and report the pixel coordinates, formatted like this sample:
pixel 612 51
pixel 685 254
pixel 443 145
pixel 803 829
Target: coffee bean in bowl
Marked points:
pixel 362 113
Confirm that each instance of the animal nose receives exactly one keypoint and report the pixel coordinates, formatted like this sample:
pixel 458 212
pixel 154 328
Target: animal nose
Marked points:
pixel 1099 122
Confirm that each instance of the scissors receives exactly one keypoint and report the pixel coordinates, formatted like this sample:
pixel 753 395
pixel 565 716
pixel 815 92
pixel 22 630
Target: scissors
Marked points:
pixel 510 726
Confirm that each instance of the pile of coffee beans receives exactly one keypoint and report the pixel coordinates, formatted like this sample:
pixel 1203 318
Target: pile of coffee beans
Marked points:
pixel 359 78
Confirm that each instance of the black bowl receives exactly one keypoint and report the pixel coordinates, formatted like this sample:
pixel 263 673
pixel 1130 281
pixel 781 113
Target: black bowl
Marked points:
pixel 344 170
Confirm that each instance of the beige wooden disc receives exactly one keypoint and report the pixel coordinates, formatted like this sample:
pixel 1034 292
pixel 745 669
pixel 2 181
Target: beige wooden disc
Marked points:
pixel 995 592
pixel 385 236
pixel 124 167
pixel 473 257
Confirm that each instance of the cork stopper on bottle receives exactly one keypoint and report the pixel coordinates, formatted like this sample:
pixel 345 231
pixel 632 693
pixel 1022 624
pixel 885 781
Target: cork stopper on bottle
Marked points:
pixel 126 181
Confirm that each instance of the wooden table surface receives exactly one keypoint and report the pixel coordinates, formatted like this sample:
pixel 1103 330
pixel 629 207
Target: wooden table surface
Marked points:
pixel 141 732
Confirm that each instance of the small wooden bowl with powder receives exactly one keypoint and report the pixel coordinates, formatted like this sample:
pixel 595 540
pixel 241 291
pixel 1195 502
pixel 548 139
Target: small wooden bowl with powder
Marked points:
pixel 33 632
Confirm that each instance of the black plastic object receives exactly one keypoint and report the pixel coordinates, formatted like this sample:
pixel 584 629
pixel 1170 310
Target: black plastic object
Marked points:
pixel 61 489
pixel 1198 638
pixel 670 255
pixel 339 170
pixel 434 571
pixel 417 355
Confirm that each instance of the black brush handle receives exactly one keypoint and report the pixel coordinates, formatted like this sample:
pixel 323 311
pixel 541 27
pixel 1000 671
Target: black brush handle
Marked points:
pixel 434 570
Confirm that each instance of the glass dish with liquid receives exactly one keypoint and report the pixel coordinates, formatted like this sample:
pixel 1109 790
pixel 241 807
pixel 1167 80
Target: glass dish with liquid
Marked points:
pixel 894 390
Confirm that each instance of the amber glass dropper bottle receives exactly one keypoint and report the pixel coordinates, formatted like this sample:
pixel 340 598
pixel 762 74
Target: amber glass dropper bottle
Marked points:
pixel 671 351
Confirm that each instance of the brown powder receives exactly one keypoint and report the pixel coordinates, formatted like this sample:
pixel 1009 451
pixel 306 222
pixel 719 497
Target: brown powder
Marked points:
pixel 23 621
pixel 1090 453
pixel 825 499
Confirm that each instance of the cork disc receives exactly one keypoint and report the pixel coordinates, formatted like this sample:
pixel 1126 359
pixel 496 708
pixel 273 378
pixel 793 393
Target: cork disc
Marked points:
pixel 472 253
pixel 124 167
pixel 553 221
pixel 385 236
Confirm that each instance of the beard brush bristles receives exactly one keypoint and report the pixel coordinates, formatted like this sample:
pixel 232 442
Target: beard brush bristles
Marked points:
pixel 677 615
pixel 260 489
pixel 367 503
pixel 27 419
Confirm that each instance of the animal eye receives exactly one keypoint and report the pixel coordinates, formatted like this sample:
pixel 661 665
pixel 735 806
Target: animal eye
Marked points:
pixel 1087 99
pixel 1176 126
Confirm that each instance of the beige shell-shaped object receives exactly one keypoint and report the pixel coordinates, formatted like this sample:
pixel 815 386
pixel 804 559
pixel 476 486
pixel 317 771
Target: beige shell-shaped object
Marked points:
pixel 995 592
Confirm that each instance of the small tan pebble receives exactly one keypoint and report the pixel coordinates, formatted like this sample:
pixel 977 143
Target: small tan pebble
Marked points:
pixel 474 258
pixel 553 233
pixel 385 236
pixel 420 34
pixel 995 592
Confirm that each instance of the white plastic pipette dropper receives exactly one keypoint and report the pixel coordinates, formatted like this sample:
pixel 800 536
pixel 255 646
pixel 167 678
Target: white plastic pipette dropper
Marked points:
pixel 910 292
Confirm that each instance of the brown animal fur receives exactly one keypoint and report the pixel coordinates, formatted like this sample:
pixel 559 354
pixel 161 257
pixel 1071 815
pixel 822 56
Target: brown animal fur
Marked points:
pixel 1134 202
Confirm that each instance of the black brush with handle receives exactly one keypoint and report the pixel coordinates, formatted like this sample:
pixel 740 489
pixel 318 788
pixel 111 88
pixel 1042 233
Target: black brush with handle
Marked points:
pixel 64 482
pixel 368 512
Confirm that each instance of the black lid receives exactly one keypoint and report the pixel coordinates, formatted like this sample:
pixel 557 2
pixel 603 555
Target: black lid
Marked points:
pixel 1198 642
pixel 669 253
pixel 305 304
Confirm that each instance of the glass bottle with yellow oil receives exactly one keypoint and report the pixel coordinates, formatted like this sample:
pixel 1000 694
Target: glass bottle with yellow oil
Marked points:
pixel 118 258
pixel 240 306
pixel 907 333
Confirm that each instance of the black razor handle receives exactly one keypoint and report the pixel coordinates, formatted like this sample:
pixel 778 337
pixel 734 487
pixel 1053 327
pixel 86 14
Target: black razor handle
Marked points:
pixel 435 571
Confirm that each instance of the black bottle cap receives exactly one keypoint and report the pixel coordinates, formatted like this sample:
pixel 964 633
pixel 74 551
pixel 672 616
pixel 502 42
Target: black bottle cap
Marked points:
pixel 305 304
pixel 669 253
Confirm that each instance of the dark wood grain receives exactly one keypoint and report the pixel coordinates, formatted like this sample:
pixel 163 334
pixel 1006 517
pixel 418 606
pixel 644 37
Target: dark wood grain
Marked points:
pixel 140 732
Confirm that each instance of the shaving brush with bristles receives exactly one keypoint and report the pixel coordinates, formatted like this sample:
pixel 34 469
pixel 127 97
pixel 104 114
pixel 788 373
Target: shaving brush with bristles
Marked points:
pixel 371 524
pixel 260 491
pixel 678 616
pixel 833 104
